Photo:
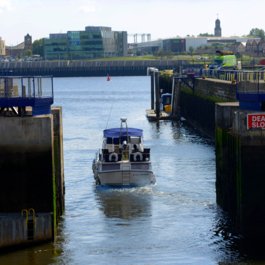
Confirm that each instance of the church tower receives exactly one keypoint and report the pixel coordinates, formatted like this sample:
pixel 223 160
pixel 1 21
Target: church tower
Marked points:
pixel 217 29
pixel 28 42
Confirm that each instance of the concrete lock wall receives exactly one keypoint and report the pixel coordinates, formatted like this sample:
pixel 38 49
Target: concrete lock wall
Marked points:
pixel 26 163
pixel 14 229
pixel 250 175
pixel 222 89
pixel 226 156
pixel 31 174
pixel 58 160
pixel 198 105
pixel 240 168
pixel 198 111
pixel 240 152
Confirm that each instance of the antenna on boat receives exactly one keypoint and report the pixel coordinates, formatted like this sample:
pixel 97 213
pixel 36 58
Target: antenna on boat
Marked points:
pixel 124 123
pixel 109 115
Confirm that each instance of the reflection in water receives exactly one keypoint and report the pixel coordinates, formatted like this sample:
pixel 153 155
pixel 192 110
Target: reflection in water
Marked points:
pixel 226 237
pixel 124 203
pixel 38 255
pixel 235 248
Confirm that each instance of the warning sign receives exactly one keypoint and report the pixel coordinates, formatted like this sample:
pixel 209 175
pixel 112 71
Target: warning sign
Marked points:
pixel 256 120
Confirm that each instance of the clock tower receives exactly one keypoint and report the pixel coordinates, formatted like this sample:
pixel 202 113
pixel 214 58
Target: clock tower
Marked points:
pixel 27 42
pixel 217 29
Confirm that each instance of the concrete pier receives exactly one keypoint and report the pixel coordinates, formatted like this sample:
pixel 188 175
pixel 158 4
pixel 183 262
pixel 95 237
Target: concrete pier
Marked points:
pixel 32 179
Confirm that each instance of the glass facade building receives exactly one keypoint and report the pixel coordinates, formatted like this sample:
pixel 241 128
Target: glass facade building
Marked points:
pixel 94 42
pixel 174 45
pixel 55 47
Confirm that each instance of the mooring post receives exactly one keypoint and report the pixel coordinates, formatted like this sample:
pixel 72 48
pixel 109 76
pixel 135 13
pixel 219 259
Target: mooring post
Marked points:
pixel 152 90
pixel 157 93
pixel 176 85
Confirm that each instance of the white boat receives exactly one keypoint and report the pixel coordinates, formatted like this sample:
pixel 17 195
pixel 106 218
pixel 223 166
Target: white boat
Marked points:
pixel 123 160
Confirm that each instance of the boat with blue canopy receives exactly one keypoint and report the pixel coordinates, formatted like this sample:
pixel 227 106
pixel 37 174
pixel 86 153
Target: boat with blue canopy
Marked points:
pixel 122 132
pixel 123 160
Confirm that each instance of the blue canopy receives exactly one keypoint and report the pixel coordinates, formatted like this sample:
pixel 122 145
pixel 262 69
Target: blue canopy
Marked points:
pixel 117 132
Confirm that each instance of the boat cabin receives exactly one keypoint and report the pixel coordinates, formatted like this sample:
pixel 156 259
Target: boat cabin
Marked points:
pixel 121 144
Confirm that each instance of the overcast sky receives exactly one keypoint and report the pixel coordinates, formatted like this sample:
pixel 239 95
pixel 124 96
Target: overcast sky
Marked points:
pixel 160 18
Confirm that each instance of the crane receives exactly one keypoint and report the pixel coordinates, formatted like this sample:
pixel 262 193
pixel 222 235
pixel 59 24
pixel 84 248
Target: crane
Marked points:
pixel 143 36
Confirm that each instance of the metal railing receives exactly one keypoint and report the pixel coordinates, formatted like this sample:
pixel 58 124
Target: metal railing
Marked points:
pixel 250 84
pixel 26 87
pixel 234 75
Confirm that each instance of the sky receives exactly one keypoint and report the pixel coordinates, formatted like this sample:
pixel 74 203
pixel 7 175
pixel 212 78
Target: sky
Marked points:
pixel 161 18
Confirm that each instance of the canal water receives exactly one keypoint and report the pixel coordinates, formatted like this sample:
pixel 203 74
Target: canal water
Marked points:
pixel 176 221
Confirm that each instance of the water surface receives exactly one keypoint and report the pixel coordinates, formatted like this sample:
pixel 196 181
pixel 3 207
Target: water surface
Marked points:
pixel 176 221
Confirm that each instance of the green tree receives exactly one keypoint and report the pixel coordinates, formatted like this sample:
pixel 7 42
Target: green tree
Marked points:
pixel 27 53
pixel 191 50
pixel 205 35
pixel 258 33
pixel 38 46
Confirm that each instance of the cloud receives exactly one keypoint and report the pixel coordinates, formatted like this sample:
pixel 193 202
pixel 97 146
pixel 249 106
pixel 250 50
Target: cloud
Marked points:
pixel 5 5
pixel 87 8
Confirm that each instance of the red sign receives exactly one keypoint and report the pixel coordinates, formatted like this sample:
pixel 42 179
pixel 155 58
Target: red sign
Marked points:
pixel 256 120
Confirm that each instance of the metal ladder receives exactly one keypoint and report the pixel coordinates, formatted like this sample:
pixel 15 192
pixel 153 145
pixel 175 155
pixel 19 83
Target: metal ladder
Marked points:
pixel 126 178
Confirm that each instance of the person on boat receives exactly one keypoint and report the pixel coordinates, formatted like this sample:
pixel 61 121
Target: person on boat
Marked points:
pixel 124 145
pixel 135 148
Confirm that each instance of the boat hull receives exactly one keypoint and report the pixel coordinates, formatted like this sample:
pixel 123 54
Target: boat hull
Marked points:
pixel 126 178
pixel 123 177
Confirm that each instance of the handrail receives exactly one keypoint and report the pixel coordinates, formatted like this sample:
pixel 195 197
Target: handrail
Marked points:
pixel 234 75
pixel 250 84
pixel 26 95
pixel 26 87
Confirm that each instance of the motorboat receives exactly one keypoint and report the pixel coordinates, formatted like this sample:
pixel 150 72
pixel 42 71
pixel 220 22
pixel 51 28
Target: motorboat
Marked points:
pixel 123 160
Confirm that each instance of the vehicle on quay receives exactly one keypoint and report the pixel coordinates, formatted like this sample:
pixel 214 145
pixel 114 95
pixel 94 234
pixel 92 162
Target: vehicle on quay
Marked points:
pixel 224 60
pixel 123 160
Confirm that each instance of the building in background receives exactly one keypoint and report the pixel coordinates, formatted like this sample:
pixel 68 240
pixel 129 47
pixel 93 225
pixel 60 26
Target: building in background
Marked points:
pixel 174 45
pixel 121 42
pixel 255 47
pixel 20 50
pixel 28 43
pixel 93 42
pixel 15 51
pixel 159 47
pixel 199 45
pixel 2 47
pixel 193 43
pixel 56 46
pixel 148 47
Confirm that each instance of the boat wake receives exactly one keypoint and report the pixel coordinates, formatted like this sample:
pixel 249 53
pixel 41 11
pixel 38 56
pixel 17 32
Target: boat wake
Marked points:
pixel 148 189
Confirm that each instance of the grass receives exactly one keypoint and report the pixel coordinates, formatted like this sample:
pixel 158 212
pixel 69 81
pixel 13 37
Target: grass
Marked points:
pixel 184 57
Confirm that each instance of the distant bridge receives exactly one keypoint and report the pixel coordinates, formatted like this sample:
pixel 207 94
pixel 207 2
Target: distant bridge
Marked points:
pixel 90 68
